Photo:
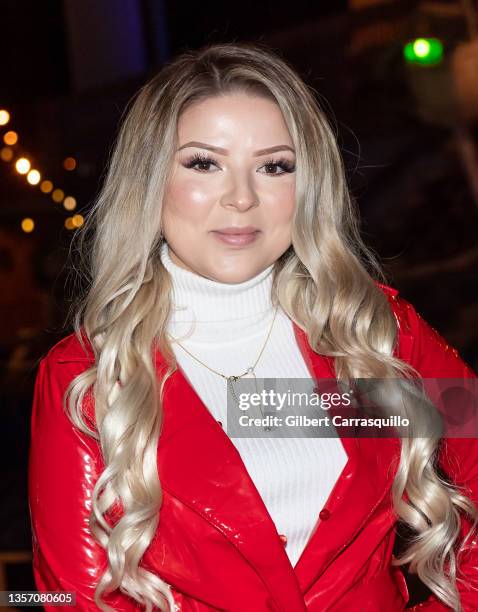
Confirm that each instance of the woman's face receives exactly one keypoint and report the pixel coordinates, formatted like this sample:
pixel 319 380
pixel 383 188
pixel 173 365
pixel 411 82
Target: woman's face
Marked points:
pixel 234 170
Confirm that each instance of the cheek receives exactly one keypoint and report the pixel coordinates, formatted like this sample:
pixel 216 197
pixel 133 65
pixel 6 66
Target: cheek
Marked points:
pixel 186 199
pixel 281 206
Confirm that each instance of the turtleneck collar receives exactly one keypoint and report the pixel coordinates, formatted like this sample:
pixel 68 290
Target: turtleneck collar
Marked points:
pixel 211 305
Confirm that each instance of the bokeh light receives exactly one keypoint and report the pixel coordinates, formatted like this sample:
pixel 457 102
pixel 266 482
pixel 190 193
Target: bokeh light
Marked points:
pixel 46 186
pixel 77 220
pixel 421 47
pixel 69 203
pixel 22 165
pixel 33 177
pixel 58 195
pixel 424 51
pixel 10 138
pixel 28 225
pixel 4 116
pixel 6 154
pixel 69 163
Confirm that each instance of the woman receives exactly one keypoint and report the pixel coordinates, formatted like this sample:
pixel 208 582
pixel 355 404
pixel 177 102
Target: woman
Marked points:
pixel 225 246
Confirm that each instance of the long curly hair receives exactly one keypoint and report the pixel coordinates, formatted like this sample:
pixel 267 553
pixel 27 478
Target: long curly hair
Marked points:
pixel 325 282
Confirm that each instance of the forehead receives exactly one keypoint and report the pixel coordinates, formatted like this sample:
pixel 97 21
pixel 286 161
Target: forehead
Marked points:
pixel 234 116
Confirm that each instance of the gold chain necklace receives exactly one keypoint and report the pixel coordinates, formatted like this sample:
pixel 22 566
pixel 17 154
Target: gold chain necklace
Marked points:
pixel 231 379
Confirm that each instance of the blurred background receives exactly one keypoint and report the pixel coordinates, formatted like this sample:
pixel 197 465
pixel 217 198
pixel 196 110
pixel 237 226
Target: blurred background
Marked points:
pixel 398 80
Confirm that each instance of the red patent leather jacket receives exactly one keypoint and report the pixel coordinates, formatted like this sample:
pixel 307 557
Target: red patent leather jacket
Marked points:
pixel 216 544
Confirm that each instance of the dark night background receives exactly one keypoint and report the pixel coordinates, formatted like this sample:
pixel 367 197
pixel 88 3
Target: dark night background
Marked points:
pixel 408 135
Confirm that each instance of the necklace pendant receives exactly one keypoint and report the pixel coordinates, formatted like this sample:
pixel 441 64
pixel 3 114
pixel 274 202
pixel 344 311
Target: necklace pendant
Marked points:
pixel 250 370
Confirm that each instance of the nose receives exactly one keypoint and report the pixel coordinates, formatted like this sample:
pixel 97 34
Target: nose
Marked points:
pixel 240 194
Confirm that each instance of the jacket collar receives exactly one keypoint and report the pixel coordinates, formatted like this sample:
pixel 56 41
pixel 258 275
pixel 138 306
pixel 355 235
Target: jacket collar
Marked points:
pixel 200 466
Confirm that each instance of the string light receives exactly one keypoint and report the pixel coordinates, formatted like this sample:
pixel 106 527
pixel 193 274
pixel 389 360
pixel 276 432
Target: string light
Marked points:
pixel 69 163
pixel 22 165
pixel 4 116
pixel 10 138
pixel 77 220
pixel 69 203
pixel 33 177
pixel 58 195
pixel 6 154
pixel 46 186
pixel 28 225
pixel 74 222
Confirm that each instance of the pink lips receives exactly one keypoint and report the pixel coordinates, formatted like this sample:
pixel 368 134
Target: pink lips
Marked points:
pixel 237 236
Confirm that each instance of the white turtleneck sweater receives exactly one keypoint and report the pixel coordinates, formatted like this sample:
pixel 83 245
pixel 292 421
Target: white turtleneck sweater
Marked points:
pixel 225 326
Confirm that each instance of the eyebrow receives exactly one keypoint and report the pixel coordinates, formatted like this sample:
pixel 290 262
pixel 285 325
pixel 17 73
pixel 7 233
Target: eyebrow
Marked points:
pixel 221 151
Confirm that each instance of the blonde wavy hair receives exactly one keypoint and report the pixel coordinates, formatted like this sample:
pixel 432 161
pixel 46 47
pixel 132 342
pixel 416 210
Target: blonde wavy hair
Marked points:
pixel 324 282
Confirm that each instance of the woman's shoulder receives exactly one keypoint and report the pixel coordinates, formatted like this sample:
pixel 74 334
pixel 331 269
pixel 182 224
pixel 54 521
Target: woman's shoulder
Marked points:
pixel 421 344
pixel 405 314
pixel 63 362
pixel 70 349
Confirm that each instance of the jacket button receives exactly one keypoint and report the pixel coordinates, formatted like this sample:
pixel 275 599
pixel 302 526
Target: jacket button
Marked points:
pixel 324 514
pixel 220 423
pixel 283 538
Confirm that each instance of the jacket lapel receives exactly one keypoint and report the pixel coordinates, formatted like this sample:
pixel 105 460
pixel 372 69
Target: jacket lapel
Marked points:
pixel 200 466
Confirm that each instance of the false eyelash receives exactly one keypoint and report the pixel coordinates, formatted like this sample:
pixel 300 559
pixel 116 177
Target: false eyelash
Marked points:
pixel 283 163
pixel 199 158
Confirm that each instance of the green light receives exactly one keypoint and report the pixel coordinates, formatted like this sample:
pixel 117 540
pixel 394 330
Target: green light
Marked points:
pixel 421 47
pixel 424 51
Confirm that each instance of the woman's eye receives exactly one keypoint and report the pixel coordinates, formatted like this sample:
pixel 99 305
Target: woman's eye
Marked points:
pixel 200 164
pixel 203 166
pixel 273 169
pixel 282 166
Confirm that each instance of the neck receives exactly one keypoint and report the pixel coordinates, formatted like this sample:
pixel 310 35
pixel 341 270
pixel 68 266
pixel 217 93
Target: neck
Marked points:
pixel 214 310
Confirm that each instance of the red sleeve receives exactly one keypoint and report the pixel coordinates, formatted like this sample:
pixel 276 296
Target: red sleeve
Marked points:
pixel 64 464
pixel 433 357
